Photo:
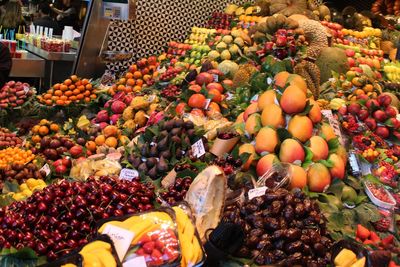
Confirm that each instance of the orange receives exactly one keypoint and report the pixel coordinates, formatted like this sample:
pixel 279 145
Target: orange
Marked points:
pixel 86 93
pixel 110 130
pixel 124 140
pixel 215 95
pixel 146 77
pixel 60 102
pixel 80 96
pixel 56 86
pixel 91 146
pixel 71 87
pixel 212 109
pixel 76 92
pixel 197 112
pixel 67 102
pixel 85 81
pixel 121 87
pixel 50 91
pixel 197 101
pixel 63 97
pixel 43 130
pixel 111 142
pixel 137 88
pixel 35 129
pixel 128 89
pixel 145 71
pixel 58 93
pixel 36 139
pixel 49 102
pixel 137 75
pixel 81 88
pixel 139 82
pixel 87 99
pixel 68 82
pixel 78 83
pixel 180 108
pixel 89 86
pixel 130 82
pixel 54 98
pixel 129 75
pixel 63 87
pixel 72 98
pixel 100 139
pixel 133 67
pixel 359 92
pixel 54 127
pixel 68 93
pixel 122 81
pixel 93 96
pixel 74 78
pixel 47 96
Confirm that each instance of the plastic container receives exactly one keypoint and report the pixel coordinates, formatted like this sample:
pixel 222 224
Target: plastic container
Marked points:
pixel 278 176
pixel 369 187
pixel 155 237
pixel 357 248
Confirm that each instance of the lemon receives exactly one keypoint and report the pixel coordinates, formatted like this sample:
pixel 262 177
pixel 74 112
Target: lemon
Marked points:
pixel 23 187
pixel 31 182
pixel 26 192
pixel 41 182
pixel 18 196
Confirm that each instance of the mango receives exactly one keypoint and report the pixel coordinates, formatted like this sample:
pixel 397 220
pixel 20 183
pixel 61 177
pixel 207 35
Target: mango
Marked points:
pixel 247 148
pixel 339 168
pixel 266 140
pixel 298 177
pixel 342 153
pixel 319 148
pixel 315 114
pixel 318 177
pixel 253 108
pixel 291 151
pixel 301 127
pixel 253 124
pixel 268 97
pixel 327 132
pixel 345 258
pixel 281 78
pixel 240 118
pixel 359 263
pixel 293 100
pixel 265 164
pixel 272 115
pixel 297 80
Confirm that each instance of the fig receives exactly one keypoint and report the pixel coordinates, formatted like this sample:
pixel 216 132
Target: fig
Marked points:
pixel 142 167
pixel 50 153
pixel 188 125
pixel 176 131
pixel 178 123
pixel 145 150
pixel 162 165
pixel 151 162
pixel 165 154
pixel 163 144
pixel 45 142
pixel 153 173
pixel 168 125
pixel 153 151
pixel 176 139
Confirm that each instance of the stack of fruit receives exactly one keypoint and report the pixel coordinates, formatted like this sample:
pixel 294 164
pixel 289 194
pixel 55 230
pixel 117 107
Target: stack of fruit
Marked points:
pixel 219 20
pixel 14 155
pixel 14 94
pixel 21 173
pixel 177 49
pixel 8 139
pixel 72 90
pixel 197 52
pixel 200 36
pixel 227 47
pixel 27 188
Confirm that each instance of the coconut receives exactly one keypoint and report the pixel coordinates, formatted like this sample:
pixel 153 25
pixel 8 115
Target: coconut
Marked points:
pixel 332 59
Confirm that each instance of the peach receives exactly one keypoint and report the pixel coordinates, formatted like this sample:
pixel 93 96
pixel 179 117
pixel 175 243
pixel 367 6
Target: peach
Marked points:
pixel 315 113
pixel 268 97
pixel 319 148
pixel 338 169
pixel 253 108
pixel 301 127
pixel 253 124
pixel 299 177
pixel 265 164
pixel 266 140
pixel 293 100
pixel 247 148
pixel 291 151
pixel 318 177
pixel 281 79
pixel 297 80
pixel 327 132
pixel 272 115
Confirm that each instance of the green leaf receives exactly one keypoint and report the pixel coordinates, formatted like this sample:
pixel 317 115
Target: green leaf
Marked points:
pixel 283 134
pixel 353 182
pixel 307 109
pixel 244 156
pixel 333 145
pixel 367 213
pixel 25 253
pixel 360 199
pixel 326 163
pixel 308 160
pixel 10 187
pixel 336 221
pixel 336 188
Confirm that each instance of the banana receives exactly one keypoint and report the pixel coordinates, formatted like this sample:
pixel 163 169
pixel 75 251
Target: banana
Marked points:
pixel 96 245
pixel 90 260
pixel 141 229
pixel 128 223
pixel 158 217
pixel 197 252
pixel 106 258
pixel 69 265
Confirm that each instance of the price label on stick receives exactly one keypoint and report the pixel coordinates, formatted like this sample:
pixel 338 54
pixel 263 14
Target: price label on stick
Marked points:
pixel 198 149
pixel 137 262
pixel 256 192
pixel 46 169
pixel 128 174
pixel 121 237
pixel 334 124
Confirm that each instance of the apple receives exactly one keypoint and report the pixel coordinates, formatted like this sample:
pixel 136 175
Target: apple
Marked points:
pixel 384 100
pixel 354 108
pixel 371 123
pixel 351 62
pixel 350 52
pixel 342 110
pixel 382 131
pixel 372 104
pixel 363 115
pixel 380 115
pixel 390 111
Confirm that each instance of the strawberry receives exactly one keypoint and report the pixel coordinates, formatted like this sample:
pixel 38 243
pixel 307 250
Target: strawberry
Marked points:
pixel 368 242
pixel 160 244
pixel 170 254
pixel 149 247
pixel 362 232
pixel 393 264
pixel 156 257
pixel 374 237
pixel 387 240
pixel 144 239
pixel 140 252
pixel 382 225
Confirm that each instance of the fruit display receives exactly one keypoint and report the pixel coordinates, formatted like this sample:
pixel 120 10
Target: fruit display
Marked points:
pixel 50 221
pixel 270 136
pixel 72 90
pixel 281 227
pixel 14 94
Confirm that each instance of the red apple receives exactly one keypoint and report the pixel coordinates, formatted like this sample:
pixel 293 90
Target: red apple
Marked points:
pixel 384 100
pixel 204 78
pixel 342 110
pixel 391 112
pixel 216 86
pixel 382 131
pixel 392 123
pixel 371 123
pixel 372 103
pixel 61 169
pixel 380 115
pixel 354 108
pixel 350 52
pixel 75 151
pixel 363 115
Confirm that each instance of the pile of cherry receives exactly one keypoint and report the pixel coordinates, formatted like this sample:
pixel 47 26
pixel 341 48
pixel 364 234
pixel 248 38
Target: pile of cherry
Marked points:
pixel 63 216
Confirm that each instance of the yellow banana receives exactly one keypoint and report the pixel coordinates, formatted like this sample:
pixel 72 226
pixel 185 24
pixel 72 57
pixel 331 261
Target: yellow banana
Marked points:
pixel 130 222
pixel 197 252
pixel 95 246
pixel 141 229
pixel 157 217
pixel 69 265
pixel 107 259
pixel 90 260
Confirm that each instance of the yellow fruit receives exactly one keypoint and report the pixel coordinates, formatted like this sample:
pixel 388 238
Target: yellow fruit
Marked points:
pixel 272 116
pixel 27 192
pixel 23 187
pixel 301 127
pixel 96 245
pixel 293 100
pixel 31 182
pixel 266 140
pixel 265 99
pixel 359 263
pixel 247 148
pixel 19 196
pixel 345 258
pixel 90 260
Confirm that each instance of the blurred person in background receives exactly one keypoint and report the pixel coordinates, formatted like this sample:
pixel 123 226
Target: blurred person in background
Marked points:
pixel 5 64
pixel 67 15
pixel 45 20
pixel 11 16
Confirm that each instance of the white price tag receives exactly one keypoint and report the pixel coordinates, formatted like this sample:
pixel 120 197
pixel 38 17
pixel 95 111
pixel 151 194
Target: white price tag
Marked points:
pixel 128 174
pixel 121 237
pixel 334 124
pixel 229 96
pixel 215 77
pixel 208 101
pixel 198 149
pixel 254 98
pixel 269 80
pixel 46 169
pixel 256 192
pixel 365 168
pixel 136 262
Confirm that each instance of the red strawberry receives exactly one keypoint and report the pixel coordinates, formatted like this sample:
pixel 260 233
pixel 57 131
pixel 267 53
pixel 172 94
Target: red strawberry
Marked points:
pixel 368 242
pixel 144 239
pixel 393 264
pixel 374 237
pixel 156 257
pixel 387 240
pixel 362 232
pixel 149 247
pixel 140 252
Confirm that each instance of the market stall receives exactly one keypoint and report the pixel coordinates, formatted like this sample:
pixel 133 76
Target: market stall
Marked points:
pixel 258 134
